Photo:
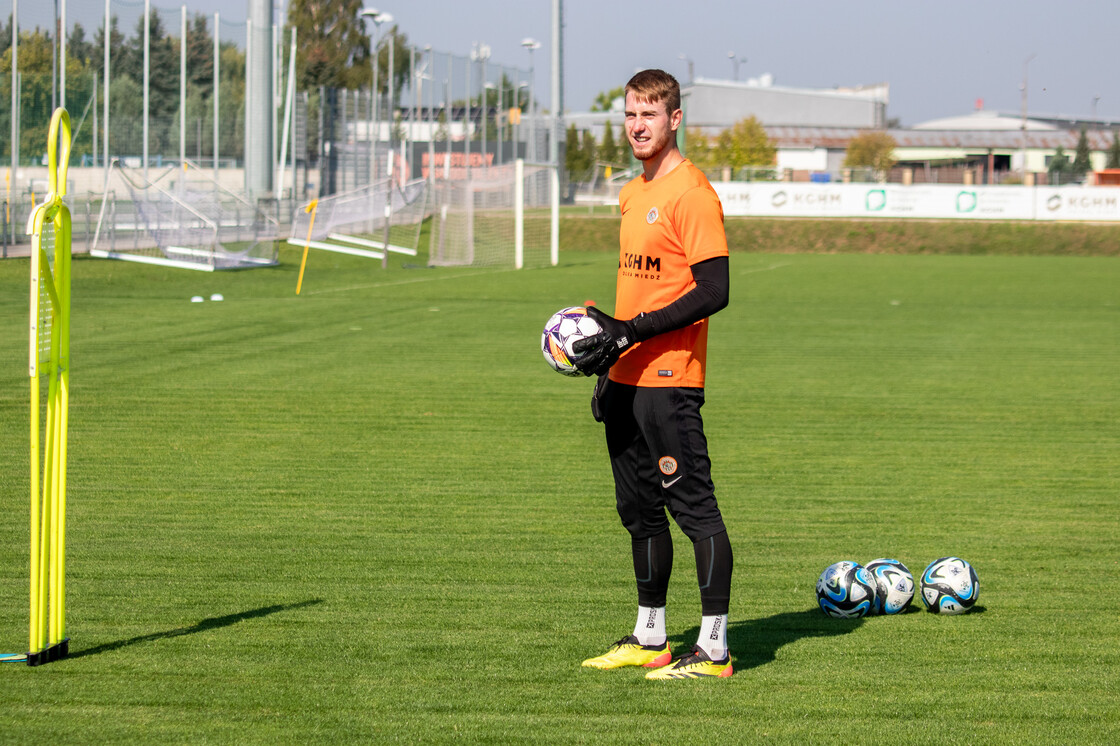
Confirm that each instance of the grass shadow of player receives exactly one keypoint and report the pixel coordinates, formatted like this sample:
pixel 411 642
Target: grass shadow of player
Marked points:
pixel 205 625
pixel 756 642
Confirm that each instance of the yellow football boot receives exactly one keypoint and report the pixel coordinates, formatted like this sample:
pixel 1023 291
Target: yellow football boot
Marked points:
pixel 629 652
pixel 695 665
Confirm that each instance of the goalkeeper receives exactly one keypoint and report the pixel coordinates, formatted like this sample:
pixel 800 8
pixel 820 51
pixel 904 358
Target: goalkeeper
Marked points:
pixel 672 275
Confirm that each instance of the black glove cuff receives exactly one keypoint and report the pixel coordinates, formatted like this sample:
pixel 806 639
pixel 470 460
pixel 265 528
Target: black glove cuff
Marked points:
pixel 643 327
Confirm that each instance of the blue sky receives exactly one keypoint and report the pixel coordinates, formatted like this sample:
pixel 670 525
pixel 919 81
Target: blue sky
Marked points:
pixel 939 58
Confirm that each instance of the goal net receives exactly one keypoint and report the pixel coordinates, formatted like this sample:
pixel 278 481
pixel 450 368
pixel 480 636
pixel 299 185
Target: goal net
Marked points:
pixel 503 215
pixel 365 222
pixel 194 224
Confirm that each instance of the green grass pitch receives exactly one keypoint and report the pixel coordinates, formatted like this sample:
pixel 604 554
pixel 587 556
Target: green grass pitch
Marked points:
pixel 371 513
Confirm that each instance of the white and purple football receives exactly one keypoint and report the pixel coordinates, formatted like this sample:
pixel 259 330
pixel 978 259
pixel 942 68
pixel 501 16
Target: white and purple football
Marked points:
pixel 562 330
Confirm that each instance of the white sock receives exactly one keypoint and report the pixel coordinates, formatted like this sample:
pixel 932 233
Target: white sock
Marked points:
pixel 713 636
pixel 650 627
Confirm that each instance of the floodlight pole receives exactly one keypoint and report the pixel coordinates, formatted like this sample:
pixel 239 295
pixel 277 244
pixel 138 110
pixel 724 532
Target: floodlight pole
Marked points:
pixel 410 132
pixel 15 92
pixel 431 64
pixel 467 120
pixel 147 78
pixel 389 186
pixel 482 53
pixel 556 142
pixel 1023 123
pixel 501 112
pixel 105 94
pixel 690 68
pixel 54 61
pixel 447 114
pixel 260 110
pixel 182 86
pixel 517 126
pixel 217 87
pixel 377 18
pixel 61 26
pixel 531 154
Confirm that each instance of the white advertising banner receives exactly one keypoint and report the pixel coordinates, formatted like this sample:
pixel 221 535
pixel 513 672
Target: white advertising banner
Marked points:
pixel 1077 203
pixel 933 201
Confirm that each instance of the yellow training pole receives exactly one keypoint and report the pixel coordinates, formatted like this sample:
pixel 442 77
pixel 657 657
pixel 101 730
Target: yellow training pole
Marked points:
pixel 50 307
pixel 50 505
pixel 311 209
pixel 35 634
pixel 62 403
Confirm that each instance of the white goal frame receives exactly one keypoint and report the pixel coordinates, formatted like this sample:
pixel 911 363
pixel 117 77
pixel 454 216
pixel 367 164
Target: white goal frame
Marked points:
pixel 482 219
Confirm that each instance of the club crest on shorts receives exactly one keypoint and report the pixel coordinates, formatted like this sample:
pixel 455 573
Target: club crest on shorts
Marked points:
pixel 651 216
pixel 667 465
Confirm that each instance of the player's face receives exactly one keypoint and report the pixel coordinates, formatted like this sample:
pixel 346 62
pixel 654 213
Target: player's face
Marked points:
pixel 650 127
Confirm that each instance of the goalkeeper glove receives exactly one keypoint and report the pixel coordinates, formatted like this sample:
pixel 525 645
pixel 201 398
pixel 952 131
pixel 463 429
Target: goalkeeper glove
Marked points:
pixel 599 352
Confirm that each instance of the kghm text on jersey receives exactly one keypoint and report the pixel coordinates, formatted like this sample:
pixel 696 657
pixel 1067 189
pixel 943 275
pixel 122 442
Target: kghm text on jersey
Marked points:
pixel 639 262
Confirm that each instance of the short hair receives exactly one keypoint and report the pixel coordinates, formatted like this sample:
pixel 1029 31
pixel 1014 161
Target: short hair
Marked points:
pixel 654 86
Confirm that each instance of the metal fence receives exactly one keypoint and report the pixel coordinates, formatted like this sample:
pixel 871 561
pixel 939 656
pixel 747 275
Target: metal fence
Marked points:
pixel 177 94
pixel 455 112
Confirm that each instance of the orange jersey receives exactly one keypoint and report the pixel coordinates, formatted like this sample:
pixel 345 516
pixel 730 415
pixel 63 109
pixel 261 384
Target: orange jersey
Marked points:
pixel 668 224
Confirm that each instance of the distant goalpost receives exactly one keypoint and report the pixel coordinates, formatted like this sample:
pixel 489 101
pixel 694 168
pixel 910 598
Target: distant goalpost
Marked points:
pixel 371 221
pixel 191 224
pixel 502 215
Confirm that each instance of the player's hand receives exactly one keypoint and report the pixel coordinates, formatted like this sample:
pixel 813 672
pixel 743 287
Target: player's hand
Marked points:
pixel 598 353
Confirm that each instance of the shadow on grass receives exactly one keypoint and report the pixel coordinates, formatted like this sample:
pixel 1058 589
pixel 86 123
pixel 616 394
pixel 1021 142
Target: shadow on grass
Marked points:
pixel 755 642
pixel 214 622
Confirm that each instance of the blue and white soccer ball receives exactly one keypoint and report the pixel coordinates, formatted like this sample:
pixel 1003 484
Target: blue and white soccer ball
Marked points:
pixel 562 330
pixel 894 585
pixel 846 590
pixel 950 586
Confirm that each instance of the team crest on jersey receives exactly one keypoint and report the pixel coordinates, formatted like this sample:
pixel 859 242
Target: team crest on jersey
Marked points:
pixel 651 216
pixel 667 465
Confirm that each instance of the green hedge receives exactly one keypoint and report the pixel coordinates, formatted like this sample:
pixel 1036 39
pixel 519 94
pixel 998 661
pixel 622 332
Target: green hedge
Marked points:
pixel 878 236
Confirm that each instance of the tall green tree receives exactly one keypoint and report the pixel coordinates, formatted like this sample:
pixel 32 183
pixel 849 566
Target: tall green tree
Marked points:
pixel 745 144
pixel 163 66
pixel 231 101
pixel 1082 160
pixel 36 72
pixel 874 150
pixel 200 56
pixel 699 150
pixel 578 158
pixel 609 150
pixel 605 100
pixel 1059 166
pixel 1114 151
pixel 79 89
pixel 590 151
pixel 77 48
pixel 333 46
pixel 116 47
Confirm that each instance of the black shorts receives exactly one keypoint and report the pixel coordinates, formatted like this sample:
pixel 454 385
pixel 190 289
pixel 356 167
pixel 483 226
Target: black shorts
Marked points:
pixel 659 457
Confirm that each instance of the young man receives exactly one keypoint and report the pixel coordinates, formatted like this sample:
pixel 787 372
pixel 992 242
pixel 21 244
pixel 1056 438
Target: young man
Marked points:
pixel 672 276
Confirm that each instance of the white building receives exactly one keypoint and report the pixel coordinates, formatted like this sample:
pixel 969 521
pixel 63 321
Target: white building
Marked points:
pixel 715 105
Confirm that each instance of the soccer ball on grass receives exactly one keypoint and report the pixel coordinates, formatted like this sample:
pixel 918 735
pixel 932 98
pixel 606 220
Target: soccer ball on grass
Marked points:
pixel 846 590
pixel 562 330
pixel 894 585
pixel 950 586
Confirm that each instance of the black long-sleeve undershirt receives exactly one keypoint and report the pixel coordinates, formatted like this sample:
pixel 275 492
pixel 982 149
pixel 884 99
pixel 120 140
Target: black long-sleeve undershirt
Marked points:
pixel 711 294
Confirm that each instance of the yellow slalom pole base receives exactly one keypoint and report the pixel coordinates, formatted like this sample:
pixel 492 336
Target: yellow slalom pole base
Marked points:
pixel 55 652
